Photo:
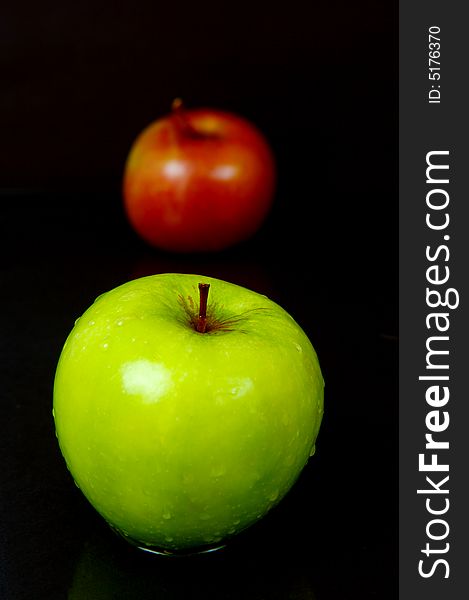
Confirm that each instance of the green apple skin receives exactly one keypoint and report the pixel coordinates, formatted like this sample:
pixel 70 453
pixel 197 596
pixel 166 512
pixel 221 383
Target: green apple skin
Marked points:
pixel 181 439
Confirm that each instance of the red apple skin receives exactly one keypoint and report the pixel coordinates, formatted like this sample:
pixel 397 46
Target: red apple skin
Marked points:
pixel 198 181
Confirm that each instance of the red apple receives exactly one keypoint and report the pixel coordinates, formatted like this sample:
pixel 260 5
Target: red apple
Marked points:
pixel 198 180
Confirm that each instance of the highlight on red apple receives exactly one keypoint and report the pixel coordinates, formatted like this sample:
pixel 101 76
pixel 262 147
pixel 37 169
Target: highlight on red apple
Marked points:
pixel 198 180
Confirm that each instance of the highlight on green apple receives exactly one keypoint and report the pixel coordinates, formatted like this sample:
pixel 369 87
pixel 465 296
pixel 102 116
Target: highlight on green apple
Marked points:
pixel 185 408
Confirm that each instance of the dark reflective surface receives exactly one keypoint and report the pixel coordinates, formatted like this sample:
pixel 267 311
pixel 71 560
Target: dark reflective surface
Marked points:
pixel 333 536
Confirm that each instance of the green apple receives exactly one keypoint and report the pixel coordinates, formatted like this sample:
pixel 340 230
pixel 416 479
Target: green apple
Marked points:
pixel 184 421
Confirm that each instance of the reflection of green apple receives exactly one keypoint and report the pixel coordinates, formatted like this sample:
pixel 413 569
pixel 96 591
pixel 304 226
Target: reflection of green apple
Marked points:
pixel 182 428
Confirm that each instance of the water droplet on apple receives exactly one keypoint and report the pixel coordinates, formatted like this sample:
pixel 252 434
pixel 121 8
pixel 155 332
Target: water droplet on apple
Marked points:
pixel 188 478
pixel 105 346
pixel 236 522
pixel 76 321
pixel 241 386
pixel 168 538
pixel 166 514
pixel 313 450
pixel 120 322
pixel 232 530
pixel 212 539
pixel 218 471
pixel 91 323
pixel 273 496
pixel 299 348
pixel 53 413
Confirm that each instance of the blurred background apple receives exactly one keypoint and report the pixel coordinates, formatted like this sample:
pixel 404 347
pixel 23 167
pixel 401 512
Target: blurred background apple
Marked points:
pixel 198 180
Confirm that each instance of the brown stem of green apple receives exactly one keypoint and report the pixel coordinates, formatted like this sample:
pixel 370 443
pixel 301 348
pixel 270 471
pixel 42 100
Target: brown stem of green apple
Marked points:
pixel 203 297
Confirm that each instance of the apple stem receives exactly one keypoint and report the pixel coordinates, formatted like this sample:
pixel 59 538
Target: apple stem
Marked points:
pixel 178 110
pixel 203 296
pixel 185 126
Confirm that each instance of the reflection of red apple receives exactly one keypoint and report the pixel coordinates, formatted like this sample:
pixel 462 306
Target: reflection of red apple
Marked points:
pixel 198 180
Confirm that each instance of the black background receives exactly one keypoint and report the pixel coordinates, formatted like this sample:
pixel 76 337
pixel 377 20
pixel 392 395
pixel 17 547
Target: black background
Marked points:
pixel 78 82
